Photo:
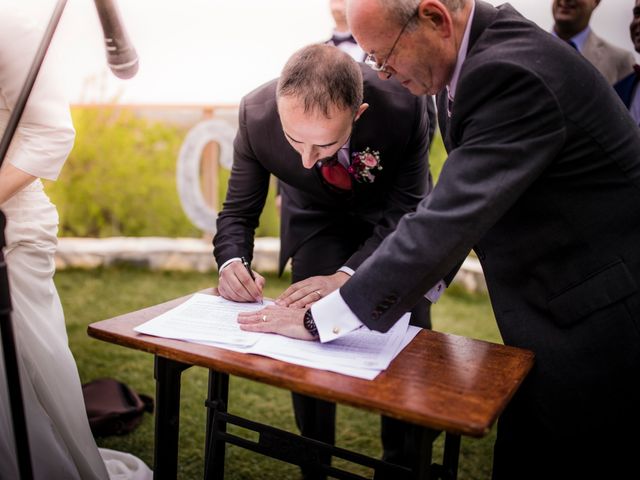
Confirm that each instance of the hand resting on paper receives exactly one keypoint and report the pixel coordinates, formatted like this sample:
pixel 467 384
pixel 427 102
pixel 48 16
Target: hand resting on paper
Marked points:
pixel 276 319
pixel 308 291
pixel 236 284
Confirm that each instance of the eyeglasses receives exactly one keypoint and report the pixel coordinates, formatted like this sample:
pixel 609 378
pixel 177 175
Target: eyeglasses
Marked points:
pixel 371 61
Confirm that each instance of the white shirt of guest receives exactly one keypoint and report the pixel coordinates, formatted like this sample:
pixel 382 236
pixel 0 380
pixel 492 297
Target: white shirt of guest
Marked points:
pixel 350 48
pixel 578 39
pixel 45 133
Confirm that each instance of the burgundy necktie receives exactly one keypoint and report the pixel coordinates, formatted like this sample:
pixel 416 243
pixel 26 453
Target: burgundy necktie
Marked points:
pixel 636 68
pixel 335 174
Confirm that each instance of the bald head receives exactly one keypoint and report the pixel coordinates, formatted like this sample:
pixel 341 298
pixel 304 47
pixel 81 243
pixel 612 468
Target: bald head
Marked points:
pixel 400 10
pixel 415 41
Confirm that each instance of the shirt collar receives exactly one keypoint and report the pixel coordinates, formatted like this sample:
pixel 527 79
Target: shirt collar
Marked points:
pixel 342 35
pixel 462 54
pixel 579 38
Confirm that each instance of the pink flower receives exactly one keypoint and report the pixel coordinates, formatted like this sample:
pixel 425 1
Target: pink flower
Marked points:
pixel 365 165
pixel 369 160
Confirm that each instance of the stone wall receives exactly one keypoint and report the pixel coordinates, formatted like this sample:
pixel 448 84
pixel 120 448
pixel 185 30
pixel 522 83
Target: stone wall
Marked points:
pixel 159 253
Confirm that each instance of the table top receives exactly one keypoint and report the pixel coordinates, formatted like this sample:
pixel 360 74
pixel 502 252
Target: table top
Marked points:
pixel 441 381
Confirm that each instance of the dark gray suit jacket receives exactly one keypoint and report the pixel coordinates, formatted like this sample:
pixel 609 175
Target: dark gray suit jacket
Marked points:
pixel 396 124
pixel 543 180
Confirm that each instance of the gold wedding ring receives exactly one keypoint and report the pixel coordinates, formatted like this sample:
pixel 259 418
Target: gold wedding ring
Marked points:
pixel 317 292
pixel 264 318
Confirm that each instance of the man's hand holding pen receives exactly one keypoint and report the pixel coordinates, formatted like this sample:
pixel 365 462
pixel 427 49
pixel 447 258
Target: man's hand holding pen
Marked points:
pixel 238 282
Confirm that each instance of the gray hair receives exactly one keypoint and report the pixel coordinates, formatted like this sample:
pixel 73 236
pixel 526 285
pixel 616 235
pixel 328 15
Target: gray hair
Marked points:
pixel 401 11
pixel 322 76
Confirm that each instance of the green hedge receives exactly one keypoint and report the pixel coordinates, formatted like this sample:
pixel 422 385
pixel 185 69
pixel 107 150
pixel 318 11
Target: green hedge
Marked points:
pixel 120 179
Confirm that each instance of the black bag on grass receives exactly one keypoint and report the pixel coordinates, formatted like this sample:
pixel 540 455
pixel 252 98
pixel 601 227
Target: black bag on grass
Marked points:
pixel 113 407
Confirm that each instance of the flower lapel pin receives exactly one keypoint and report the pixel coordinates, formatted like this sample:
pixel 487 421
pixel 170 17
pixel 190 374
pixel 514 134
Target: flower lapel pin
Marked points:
pixel 365 165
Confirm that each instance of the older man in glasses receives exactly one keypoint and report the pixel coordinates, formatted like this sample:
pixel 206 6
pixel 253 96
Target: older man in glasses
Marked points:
pixel 543 181
pixel 351 154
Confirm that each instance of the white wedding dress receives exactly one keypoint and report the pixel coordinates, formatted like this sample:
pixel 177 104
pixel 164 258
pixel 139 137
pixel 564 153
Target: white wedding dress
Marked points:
pixel 61 444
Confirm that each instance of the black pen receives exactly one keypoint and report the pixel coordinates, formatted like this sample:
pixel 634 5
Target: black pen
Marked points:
pixel 247 265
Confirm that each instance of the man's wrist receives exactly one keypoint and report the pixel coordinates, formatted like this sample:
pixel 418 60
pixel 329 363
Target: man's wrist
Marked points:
pixel 310 324
pixel 227 263
pixel 347 270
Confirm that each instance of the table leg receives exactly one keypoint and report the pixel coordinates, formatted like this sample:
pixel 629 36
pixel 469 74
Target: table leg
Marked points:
pixel 165 453
pixel 451 455
pixel 422 468
pixel 217 401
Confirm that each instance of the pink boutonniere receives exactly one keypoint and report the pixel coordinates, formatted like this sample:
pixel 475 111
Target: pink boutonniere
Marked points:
pixel 365 165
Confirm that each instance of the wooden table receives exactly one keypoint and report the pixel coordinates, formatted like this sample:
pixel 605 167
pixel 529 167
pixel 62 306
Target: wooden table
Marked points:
pixel 439 382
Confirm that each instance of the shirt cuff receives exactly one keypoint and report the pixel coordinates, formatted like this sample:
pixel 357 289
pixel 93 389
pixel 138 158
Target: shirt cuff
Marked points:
pixel 436 292
pixel 231 260
pixel 333 317
pixel 347 270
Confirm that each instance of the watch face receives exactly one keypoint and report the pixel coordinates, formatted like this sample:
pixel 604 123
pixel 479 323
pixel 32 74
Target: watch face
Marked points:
pixel 309 323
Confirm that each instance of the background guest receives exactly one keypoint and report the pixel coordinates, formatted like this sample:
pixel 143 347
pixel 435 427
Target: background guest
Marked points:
pixel 572 19
pixel 627 88
pixel 341 36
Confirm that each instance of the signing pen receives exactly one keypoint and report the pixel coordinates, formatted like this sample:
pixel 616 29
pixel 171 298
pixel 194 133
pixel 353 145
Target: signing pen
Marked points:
pixel 248 267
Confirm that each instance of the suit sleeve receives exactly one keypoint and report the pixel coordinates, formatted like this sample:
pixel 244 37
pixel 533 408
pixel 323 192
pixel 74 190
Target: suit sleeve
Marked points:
pixel 411 183
pixel 506 140
pixel 246 195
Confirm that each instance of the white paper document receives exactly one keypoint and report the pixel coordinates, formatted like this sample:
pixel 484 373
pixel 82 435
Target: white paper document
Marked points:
pixel 211 320
pixel 204 317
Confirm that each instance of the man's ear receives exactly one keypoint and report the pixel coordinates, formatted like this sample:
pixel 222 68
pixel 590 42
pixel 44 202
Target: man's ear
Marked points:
pixel 360 111
pixel 434 14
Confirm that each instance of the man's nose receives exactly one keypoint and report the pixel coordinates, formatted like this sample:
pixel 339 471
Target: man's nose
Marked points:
pixel 308 158
pixel 385 74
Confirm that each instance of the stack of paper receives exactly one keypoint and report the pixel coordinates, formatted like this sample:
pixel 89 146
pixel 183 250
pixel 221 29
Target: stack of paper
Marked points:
pixel 211 320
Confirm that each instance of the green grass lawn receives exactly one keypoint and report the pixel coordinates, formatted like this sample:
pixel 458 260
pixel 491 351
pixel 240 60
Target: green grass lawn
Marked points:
pixel 94 295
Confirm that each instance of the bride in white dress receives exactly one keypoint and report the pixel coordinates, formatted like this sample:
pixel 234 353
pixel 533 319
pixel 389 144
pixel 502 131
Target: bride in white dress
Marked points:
pixel 61 443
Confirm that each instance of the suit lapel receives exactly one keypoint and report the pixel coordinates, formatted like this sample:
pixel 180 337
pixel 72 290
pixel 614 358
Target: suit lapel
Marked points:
pixel 483 16
pixel 443 119
pixel 363 137
pixel 592 49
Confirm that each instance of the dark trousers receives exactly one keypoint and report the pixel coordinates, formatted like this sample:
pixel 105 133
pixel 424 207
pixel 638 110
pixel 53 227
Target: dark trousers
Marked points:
pixel 323 254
